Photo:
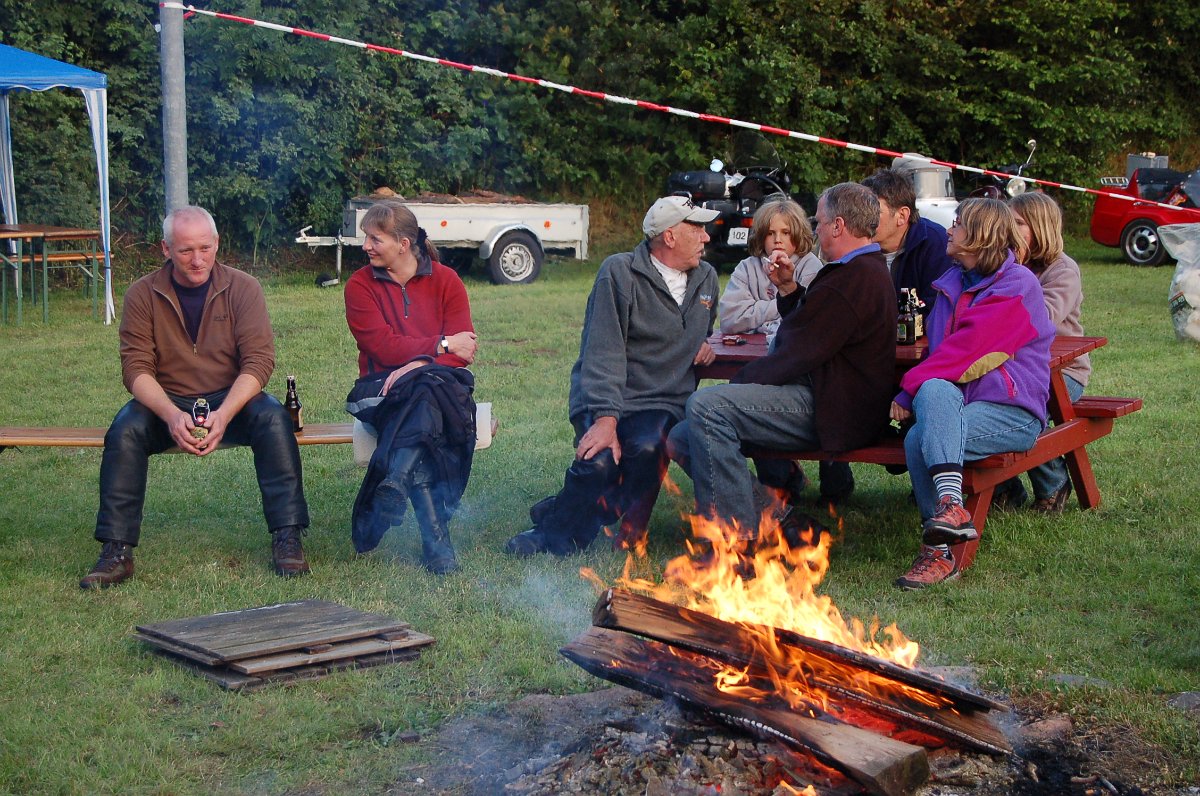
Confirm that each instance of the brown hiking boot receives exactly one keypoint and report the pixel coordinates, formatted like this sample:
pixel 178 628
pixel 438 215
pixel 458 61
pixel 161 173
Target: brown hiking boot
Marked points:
pixel 114 566
pixel 931 566
pixel 1056 502
pixel 287 552
pixel 950 524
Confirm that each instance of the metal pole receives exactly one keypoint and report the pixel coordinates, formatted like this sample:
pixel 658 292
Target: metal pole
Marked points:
pixel 174 99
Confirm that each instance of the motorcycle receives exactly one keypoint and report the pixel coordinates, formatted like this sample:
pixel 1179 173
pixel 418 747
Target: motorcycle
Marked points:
pixel 994 187
pixel 736 193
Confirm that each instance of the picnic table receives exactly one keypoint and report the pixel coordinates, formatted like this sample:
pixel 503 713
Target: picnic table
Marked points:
pixel 60 247
pixel 1076 425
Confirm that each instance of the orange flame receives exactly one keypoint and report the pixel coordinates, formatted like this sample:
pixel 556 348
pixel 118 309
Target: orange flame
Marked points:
pixel 771 583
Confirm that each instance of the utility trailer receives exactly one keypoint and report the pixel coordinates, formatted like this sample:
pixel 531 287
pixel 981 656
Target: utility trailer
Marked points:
pixel 511 236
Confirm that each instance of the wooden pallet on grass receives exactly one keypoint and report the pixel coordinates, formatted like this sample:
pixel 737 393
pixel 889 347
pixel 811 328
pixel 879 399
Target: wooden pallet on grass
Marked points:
pixel 255 647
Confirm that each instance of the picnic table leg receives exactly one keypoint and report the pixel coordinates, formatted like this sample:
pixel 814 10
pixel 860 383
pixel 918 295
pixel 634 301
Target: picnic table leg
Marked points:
pixel 1079 467
pixel 45 287
pixel 978 504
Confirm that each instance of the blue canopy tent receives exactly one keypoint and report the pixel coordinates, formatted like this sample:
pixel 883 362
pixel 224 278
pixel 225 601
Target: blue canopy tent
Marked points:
pixel 25 71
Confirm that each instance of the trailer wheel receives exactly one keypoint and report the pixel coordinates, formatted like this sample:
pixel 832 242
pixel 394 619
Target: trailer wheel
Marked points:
pixel 1140 243
pixel 516 259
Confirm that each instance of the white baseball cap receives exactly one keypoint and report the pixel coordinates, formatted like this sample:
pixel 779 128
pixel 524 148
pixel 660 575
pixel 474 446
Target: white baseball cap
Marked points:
pixel 670 210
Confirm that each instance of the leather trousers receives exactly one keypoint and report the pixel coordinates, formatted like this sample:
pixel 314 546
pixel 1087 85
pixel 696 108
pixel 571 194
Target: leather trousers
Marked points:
pixel 597 491
pixel 137 433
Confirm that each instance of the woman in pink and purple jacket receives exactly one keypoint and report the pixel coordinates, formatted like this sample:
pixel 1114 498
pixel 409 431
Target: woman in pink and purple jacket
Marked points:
pixel 983 388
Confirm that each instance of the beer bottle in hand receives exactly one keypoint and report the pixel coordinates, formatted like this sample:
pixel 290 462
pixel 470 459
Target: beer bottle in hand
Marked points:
pixel 294 407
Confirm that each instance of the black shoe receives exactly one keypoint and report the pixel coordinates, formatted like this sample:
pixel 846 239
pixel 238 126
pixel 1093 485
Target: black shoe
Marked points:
pixel 526 544
pixel 115 565
pixel 801 529
pixel 287 551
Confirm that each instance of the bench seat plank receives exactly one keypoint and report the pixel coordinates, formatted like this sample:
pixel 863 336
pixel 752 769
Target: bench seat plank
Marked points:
pixel 1106 406
pixel 65 437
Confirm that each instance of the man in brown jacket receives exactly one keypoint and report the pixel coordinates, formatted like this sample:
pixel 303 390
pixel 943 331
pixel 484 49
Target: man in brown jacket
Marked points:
pixel 196 351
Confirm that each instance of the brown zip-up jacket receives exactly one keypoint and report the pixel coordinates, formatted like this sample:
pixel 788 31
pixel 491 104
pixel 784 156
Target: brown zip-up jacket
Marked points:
pixel 235 334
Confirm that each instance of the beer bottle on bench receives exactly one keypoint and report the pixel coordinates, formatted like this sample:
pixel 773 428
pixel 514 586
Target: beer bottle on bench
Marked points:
pixel 294 407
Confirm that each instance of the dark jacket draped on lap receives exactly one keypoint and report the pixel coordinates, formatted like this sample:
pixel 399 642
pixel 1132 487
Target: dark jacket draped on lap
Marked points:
pixel 431 408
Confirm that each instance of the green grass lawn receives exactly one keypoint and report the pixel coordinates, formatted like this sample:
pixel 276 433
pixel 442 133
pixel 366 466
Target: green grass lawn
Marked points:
pixel 1109 594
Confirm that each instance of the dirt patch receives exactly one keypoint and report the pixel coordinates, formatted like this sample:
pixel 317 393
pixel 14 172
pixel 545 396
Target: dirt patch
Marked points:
pixel 617 741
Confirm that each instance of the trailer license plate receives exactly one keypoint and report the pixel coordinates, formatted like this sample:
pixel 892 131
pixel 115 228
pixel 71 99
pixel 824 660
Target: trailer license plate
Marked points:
pixel 739 236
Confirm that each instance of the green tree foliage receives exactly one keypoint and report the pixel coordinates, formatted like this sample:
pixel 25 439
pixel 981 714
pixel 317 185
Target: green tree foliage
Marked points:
pixel 281 129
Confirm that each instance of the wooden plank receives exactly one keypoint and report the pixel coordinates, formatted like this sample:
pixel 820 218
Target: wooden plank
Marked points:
pixel 352 649
pixel 964 725
pixel 880 764
pixel 254 632
pixel 236 681
pixel 93 437
pixel 271 629
pixel 221 675
pixel 1106 406
pixel 175 649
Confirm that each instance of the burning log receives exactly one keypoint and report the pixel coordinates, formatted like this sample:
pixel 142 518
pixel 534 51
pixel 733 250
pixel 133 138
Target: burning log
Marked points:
pixel 882 765
pixel 908 696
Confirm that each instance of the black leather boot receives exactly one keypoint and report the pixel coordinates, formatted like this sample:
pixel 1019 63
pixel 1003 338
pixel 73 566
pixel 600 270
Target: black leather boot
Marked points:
pixel 437 554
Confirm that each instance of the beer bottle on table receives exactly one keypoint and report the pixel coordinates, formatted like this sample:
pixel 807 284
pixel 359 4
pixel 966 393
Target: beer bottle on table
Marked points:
pixel 906 324
pixel 918 316
pixel 294 407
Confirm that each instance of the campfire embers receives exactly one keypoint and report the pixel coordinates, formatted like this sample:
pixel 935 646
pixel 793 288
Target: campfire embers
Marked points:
pixel 865 716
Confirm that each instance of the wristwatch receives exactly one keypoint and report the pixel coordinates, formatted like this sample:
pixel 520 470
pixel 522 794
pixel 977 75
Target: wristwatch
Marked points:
pixel 444 345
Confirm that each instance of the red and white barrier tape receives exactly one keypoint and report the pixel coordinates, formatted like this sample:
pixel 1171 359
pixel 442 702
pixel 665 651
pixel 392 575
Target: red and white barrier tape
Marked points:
pixel 614 98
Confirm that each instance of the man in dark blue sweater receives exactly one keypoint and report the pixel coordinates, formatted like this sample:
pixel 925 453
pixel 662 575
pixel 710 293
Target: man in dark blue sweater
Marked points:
pixel 914 247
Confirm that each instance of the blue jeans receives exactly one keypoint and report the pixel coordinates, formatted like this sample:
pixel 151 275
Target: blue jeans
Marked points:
pixel 1048 478
pixel 947 431
pixel 723 418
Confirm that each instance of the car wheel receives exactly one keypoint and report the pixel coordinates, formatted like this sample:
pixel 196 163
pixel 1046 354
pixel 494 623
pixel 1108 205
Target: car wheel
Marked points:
pixel 1140 243
pixel 516 259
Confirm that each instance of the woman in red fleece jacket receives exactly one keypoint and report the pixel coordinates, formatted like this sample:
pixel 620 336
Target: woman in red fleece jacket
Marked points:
pixel 405 311
pixel 406 304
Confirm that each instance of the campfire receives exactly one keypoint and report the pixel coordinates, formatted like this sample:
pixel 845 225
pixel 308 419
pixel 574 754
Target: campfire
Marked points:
pixel 743 636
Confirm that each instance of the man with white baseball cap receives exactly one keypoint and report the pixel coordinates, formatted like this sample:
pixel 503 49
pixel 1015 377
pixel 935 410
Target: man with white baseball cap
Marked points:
pixel 645 328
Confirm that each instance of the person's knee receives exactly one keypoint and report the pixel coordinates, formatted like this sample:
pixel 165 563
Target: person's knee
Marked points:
pixel 678 449
pixel 265 415
pixel 937 395
pixel 648 447
pixel 130 428
pixel 600 469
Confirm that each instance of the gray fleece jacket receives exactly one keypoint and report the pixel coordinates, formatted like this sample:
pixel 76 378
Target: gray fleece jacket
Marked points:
pixel 637 346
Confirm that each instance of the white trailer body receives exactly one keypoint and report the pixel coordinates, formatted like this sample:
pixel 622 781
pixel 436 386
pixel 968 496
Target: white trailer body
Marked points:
pixel 511 237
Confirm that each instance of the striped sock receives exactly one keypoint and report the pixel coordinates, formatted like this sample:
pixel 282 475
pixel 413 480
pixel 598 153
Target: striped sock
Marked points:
pixel 949 484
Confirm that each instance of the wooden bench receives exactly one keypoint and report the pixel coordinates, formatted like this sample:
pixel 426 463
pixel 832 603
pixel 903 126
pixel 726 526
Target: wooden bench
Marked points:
pixel 64 437
pixel 1093 419
pixel 312 434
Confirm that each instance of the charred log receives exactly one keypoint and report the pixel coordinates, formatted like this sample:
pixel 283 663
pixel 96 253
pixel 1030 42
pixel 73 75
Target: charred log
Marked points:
pixel 912 698
pixel 882 765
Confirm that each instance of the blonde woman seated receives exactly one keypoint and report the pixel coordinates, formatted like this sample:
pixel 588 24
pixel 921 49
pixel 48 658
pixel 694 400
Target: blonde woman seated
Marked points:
pixel 781 246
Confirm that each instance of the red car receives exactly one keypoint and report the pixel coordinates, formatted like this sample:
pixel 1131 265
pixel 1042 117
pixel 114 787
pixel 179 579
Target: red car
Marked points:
pixel 1133 225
